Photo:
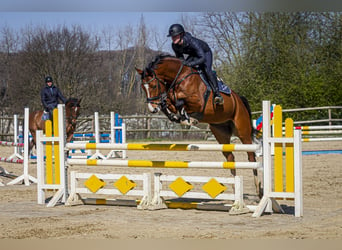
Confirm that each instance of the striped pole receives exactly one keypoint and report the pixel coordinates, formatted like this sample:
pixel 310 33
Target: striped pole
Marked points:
pixel 318 127
pixel 320 132
pixel 11 144
pixel 322 139
pixel 166 147
pixel 4 159
pixel 165 164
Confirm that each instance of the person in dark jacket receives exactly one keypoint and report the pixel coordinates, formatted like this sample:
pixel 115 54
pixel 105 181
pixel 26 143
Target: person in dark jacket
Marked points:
pixel 50 95
pixel 199 54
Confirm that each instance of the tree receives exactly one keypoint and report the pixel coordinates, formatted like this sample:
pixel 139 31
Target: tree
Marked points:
pixel 67 54
pixel 288 58
pixel 8 54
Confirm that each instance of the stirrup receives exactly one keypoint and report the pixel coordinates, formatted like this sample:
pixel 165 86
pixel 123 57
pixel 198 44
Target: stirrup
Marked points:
pixel 218 100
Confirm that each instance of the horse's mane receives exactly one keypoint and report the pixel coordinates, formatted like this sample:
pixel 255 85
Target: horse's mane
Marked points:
pixel 156 61
pixel 72 102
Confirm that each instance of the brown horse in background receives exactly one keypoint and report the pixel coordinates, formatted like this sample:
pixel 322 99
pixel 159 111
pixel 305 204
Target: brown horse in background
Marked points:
pixel 177 89
pixel 72 111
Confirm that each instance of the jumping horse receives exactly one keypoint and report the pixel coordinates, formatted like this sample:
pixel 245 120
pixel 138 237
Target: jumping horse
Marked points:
pixel 179 92
pixel 72 111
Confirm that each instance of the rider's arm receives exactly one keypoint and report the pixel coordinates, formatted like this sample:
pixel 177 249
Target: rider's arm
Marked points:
pixel 42 97
pixel 200 54
pixel 177 51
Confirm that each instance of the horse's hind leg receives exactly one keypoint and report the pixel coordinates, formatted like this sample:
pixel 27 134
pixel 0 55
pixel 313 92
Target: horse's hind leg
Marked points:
pixel 32 143
pixel 223 133
pixel 243 130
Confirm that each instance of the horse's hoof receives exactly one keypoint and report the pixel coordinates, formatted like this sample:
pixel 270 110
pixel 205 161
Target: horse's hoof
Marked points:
pixel 185 122
pixel 175 118
pixel 193 121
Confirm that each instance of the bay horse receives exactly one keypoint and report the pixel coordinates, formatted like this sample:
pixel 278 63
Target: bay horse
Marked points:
pixel 179 92
pixel 72 111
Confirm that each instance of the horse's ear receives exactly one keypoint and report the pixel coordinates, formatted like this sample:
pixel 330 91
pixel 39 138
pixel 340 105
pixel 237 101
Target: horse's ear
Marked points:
pixel 140 72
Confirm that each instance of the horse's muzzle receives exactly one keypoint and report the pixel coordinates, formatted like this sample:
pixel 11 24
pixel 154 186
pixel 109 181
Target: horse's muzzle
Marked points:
pixel 153 109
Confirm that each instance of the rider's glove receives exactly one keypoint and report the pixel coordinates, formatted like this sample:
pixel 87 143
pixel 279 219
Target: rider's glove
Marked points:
pixel 189 64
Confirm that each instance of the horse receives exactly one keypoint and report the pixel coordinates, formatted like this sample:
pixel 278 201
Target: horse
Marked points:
pixel 72 111
pixel 179 92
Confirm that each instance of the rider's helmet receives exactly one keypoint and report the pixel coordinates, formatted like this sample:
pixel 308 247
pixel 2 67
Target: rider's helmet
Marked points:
pixel 48 79
pixel 175 29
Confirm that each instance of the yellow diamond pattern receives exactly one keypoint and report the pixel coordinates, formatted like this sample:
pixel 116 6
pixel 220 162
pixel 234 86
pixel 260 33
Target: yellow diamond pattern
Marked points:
pixel 124 184
pixel 94 183
pixel 213 188
pixel 180 186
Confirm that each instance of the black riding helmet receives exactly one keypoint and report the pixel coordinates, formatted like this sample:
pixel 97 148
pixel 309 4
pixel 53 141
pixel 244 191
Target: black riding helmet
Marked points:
pixel 175 29
pixel 48 79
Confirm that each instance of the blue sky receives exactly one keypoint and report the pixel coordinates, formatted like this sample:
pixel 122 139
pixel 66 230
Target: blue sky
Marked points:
pixel 170 5
pixel 94 22
pixel 157 13
pixel 91 20
pixel 132 5
pixel 95 15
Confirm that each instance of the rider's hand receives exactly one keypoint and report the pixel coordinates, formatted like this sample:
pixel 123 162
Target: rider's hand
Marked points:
pixel 186 63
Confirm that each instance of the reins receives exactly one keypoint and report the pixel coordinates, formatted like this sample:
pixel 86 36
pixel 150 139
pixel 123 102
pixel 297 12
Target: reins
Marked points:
pixel 162 96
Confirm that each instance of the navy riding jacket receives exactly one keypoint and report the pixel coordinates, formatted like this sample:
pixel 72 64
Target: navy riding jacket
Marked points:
pixel 50 96
pixel 198 51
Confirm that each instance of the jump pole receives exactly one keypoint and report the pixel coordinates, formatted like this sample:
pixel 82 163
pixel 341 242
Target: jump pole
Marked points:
pixel 166 147
pixel 165 164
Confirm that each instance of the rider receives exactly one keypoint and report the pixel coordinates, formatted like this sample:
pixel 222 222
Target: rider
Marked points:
pixel 50 95
pixel 199 54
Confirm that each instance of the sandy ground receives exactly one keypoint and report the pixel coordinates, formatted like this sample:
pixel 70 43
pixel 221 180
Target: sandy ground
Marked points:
pixel 22 218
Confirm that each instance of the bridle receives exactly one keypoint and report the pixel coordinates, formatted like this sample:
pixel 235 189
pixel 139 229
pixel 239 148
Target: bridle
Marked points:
pixel 160 93
pixel 71 119
pixel 162 96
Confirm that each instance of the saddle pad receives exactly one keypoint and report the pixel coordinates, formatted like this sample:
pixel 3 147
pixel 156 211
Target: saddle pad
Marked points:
pixel 45 116
pixel 223 88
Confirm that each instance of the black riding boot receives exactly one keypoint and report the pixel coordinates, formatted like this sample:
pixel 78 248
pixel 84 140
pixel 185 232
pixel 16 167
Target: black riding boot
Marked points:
pixel 218 99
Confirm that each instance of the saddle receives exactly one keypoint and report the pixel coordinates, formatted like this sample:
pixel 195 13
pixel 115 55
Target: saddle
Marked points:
pixel 223 88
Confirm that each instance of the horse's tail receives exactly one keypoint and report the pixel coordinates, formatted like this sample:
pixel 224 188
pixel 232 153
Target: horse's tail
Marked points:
pixel 255 132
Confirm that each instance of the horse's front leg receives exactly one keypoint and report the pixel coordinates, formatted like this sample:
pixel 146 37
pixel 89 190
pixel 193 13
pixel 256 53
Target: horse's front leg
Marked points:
pixel 230 157
pixel 172 116
pixel 32 144
pixel 184 117
pixel 168 109
pixel 257 182
pixel 69 137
